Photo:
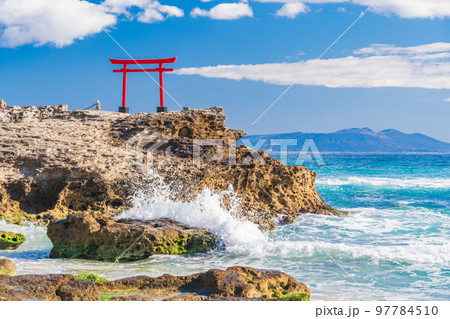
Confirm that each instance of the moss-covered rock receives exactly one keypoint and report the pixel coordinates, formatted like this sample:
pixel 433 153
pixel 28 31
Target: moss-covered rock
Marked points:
pixel 91 277
pixel 7 267
pixel 100 238
pixel 11 241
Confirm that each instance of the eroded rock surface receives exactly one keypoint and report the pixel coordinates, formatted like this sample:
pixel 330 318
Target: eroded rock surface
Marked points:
pixel 32 287
pixel 85 236
pixel 234 283
pixel 54 161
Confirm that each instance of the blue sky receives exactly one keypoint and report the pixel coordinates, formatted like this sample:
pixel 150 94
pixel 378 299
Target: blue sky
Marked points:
pixel 391 70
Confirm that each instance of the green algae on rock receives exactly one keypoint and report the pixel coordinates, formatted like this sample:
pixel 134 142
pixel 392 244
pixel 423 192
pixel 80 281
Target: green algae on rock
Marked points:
pixel 301 297
pixel 11 241
pixel 7 267
pixel 102 238
pixel 91 277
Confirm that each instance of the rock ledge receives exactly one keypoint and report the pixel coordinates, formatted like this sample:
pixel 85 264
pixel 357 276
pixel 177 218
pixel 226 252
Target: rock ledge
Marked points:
pixel 234 283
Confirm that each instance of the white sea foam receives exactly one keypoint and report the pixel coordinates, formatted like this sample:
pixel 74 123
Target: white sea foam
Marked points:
pixel 420 182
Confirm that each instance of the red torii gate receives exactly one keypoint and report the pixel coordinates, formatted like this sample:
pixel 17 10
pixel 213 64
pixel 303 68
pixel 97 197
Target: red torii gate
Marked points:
pixel 125 70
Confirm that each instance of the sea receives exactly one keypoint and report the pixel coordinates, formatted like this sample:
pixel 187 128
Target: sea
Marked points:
pixel 394 245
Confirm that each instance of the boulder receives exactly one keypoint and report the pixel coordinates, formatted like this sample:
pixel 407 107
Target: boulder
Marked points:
pixel 7 267
pixel 10 241
pixel 2 104
pixel 86 236
pixel 245 282
pixel 234 283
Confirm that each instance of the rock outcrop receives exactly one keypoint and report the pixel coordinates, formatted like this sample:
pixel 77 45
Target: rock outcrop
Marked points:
pixel 7 267
pixel 234 283
pixel 10 241
pixel 101 238
pixel 54 161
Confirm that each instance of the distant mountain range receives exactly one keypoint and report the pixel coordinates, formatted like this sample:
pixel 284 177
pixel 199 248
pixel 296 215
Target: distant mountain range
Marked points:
pixel 353 140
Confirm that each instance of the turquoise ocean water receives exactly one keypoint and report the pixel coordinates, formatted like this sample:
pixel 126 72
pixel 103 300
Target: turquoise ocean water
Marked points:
pixel 395 244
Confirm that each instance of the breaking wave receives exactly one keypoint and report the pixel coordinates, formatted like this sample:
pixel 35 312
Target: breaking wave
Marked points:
pixel 306 237
pixel 420 182
pixel 207 210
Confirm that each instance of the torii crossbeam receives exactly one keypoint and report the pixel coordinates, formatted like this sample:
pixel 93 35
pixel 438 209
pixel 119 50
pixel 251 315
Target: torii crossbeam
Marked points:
pixel 160 69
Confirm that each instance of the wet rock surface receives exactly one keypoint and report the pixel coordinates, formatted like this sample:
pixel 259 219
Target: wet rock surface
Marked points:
pixel 234 283
pixel 53 162
pixel 86 236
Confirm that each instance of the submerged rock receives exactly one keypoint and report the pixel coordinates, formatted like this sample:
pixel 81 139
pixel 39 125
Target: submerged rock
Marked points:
pixel 7 267
pixel 11 241
pixel 234 283
pixel 103 238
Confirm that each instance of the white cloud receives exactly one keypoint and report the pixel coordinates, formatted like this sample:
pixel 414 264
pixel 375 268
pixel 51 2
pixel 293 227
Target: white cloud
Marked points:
pixel 60 23
pixel 411 8
pixel 446 100
pixel 429 71
pixel 291 10
pixel 383 49
pixel 49 21
pixel 402 8
pixel 225 11
pixel 157 12
pixel 150 10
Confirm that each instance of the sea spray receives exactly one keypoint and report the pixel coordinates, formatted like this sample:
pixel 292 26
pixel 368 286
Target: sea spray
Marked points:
pixel 217 212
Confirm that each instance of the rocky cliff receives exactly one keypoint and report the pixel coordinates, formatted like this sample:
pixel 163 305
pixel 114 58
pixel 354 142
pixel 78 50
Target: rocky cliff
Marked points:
pixel 54 161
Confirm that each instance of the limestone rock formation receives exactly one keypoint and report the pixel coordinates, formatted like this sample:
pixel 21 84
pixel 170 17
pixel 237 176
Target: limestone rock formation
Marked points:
pixel 234 283
pixel 27 114
pixel 11 241
pixel 7 267
pixel 100 238
pixel 54 161
pixel 2 104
